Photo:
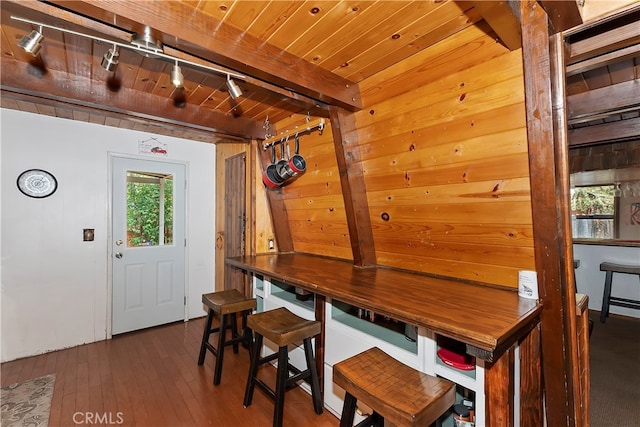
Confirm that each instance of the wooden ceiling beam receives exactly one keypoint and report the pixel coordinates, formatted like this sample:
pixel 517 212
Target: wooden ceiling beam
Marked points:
pixel 608 99
pixel 563 14
pixel 201 35
pixel 603 60
pixel 503 20
pixel 54 85
pixel 609 41
pixel 606 132
pixel 53 15
pixel 66 110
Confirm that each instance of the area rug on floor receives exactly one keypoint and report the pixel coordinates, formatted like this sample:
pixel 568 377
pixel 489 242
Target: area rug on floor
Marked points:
pixel 27 403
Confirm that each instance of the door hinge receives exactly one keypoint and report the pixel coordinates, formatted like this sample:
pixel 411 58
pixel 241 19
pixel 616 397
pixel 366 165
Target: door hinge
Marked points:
pixel 185 242
pixel 185 300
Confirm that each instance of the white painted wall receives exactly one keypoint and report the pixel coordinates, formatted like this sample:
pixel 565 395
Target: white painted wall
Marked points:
pixel 590 280
pixel 54 285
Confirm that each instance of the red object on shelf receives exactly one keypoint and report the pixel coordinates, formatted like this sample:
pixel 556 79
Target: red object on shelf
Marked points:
pixel 464 362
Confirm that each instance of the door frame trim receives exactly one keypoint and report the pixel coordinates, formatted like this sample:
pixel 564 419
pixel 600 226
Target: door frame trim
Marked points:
pixel 110 159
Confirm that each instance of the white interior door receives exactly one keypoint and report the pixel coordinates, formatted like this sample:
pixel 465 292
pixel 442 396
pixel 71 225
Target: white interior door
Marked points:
pixel 148 248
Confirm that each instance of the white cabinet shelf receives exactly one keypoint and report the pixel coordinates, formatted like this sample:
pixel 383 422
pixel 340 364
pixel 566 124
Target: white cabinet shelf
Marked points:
pixel 385 330
pixel 348 332
pixel 288 298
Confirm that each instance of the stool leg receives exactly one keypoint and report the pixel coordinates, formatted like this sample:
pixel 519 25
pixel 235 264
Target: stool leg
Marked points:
pixel 246 332
pixel 221 338
pixel 348 410
pixel 605 297
pixel 281 385
pixel 253 370
pixel 205 337
pixel 377 420
pixel 315 383
pixel 234 331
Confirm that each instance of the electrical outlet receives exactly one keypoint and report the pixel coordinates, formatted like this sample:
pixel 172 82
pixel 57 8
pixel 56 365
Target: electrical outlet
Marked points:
pixel 88 234
pixel 271 244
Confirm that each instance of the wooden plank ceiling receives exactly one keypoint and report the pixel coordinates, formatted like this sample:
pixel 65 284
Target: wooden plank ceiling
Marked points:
pixel 297 56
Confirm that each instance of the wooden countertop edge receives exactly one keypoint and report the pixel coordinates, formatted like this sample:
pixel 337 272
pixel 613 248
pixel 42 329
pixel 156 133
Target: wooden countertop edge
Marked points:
pixel 484 346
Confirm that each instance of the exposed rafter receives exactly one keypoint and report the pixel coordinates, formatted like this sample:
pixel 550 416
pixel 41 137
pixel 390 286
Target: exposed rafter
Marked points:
pixel 503 20
pixel 25 79
pixel 191 30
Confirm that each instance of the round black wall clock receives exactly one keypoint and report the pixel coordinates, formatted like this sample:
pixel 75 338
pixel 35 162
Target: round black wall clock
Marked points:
pixel 37 183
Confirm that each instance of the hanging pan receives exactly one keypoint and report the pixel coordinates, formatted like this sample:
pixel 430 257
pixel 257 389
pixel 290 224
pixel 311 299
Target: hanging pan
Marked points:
pixel 269 177
pixel 297 163
pixel 285 171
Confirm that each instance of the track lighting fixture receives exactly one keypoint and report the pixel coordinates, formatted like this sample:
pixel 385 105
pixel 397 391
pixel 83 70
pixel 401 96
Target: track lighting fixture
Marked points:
pixel 144 44
pixel 110 59
pixel 31 42
pixel 234 90
pixel 176 76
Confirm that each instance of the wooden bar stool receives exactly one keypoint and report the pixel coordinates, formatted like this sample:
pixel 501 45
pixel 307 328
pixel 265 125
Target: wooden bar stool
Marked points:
pixel 225 304
pixel 283 328
pixel 395 391
pixel 607 299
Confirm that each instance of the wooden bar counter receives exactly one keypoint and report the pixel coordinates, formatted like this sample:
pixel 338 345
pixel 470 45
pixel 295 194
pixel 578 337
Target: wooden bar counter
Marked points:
pixel 489 320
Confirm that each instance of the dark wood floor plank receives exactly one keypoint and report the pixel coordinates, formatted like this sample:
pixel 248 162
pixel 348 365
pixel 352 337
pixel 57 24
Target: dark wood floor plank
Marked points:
pixel 82 385
pixel 96 405
pixel 151 378
pixel 71 373
pixel 192 403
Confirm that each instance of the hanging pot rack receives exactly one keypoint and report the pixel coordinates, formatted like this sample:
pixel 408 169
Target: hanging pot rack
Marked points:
pixel 284 135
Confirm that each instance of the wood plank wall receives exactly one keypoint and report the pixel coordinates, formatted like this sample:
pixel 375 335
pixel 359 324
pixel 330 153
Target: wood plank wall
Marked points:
pixel 443 148
pixel 447 161
pixel 314 201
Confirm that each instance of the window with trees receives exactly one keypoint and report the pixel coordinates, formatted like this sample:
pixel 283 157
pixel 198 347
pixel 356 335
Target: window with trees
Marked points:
pixel 593 212
pixel 149 209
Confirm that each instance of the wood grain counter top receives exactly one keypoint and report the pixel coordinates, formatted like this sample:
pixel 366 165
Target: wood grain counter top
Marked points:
pixel 488 319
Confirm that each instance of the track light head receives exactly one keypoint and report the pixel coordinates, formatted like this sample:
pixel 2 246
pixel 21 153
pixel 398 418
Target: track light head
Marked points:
pixel 144 43
pixel 234 90
pixel 31 42
pixel 176 76
pixel 110 59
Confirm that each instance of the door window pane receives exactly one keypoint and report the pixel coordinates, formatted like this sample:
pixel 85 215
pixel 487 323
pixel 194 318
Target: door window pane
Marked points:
pixel 149 209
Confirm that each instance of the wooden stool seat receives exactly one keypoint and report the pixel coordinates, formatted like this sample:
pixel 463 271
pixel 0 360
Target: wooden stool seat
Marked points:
pixel 225 304
pixel 607 299
pixel 229 301
pixel 283 328
pixel 395 391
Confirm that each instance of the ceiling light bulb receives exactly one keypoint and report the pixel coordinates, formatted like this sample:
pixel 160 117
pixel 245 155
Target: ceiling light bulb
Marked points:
pixel 31 42
pixel 176 76
pixel 110 59
pixel 234 90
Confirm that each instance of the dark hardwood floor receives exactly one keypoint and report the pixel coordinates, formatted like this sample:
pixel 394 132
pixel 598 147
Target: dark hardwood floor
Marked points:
pixel 151 378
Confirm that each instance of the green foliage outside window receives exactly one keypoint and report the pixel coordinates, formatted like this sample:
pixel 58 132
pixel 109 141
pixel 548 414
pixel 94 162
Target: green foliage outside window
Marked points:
pixel 593 212
pixel 143 211
pixel 593 200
